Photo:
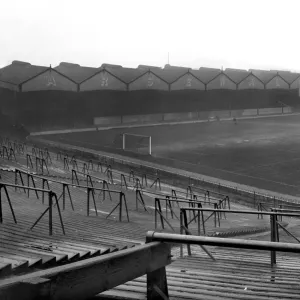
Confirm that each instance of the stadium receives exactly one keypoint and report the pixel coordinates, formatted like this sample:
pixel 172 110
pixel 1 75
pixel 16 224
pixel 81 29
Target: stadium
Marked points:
pixel 148 182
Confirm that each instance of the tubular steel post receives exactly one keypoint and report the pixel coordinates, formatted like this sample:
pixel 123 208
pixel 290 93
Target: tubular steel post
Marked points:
pixel 1 216
pixel 181 232
pixel 198 219
pixel 273 239
pixel 160 213
pixel 158 180
pixel 16 180
pixel 228 200
pixel 120 208
pixel 280 206
pixel 155 213
pixel 186 231
pixel 64 196
pixel 99 164
pixel 37 164
pixel 123 181
pixel 131 175
pixel 90 163
pixel 43 187
pixel 27 185
pixel 50 213
pixel 88 202
pixel 144 180
pixel 59 213
pixel 69 196
pixel 93 196
pixel 215 215
pixel 203 221
pixel 259 209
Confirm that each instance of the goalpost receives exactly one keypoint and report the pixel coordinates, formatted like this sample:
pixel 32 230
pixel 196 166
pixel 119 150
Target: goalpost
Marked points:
pixel 137 143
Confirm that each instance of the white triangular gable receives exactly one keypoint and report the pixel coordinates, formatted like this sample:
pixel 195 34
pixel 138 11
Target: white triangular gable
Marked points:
pixel 103 81
pixel 277 83
pixel 187 82
pixel 296 84
pixel 221 82
pixel 250 82
pixel 50 80
pixel 148 81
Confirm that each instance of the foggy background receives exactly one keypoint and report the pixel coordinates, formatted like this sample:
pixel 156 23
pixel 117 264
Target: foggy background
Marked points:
pixel 214 33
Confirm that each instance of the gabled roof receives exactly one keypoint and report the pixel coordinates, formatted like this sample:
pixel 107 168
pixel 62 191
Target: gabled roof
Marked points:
pixel 289 77
pixel 126 75
pixel 206 74
pixel 75 71
pixel 237 75
pixel 263 75
pixel 110 66
pixel 18 72
pixel 145 67
pixel 170 75
pixel 169 67
pixel 250 74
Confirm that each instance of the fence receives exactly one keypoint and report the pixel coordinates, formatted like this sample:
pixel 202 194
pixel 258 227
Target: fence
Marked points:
pixel 274 214
pixel 90 192
pixel 49 209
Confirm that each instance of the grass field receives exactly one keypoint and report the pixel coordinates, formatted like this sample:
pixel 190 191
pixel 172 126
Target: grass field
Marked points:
pixel 264 152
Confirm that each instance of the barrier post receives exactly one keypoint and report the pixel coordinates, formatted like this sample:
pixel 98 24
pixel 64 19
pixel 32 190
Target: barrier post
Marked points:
pixel 1 216
pixel 273 239
pixel 121 206
pixel 88 202
pixel 50 213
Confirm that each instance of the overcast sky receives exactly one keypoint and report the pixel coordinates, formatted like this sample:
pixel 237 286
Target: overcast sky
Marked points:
pixel 214 33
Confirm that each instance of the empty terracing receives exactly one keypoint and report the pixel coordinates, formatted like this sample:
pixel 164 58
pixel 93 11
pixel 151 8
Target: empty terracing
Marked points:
pixel 64 210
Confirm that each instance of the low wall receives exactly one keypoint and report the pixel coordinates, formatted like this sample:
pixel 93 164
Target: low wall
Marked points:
pixel 142 118
pixel 180 116
pixel 108 120
pixel 222 114
pixel 287 110
pixel 250 112
pixel 186 116
pixel 270 111
pixel 237 113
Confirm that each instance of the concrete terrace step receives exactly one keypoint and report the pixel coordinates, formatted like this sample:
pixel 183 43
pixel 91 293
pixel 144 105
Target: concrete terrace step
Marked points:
pixel 233 275
pixel 5 269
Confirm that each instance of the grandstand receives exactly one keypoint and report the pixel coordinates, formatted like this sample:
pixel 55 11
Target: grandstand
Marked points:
pixel 42 94
pixel 78 208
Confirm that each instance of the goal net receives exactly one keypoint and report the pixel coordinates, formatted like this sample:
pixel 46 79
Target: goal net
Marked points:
pixel 136 143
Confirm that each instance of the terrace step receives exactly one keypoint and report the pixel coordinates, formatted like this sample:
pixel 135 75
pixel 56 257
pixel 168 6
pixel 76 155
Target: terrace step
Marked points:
pixel 5 269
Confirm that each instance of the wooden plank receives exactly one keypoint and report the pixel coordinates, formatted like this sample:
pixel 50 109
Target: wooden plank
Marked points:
pixel 216 277
pixel 92 276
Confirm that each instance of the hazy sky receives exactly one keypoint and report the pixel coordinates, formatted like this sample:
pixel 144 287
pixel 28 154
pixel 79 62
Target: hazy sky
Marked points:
pixel 230 33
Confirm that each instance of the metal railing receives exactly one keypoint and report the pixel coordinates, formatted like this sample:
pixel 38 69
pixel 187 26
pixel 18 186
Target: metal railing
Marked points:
pixel 90 191
pixel 49 209
pixel 274 224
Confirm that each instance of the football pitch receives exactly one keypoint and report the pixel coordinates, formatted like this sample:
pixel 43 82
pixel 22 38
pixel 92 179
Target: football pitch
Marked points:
pixel 262 152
